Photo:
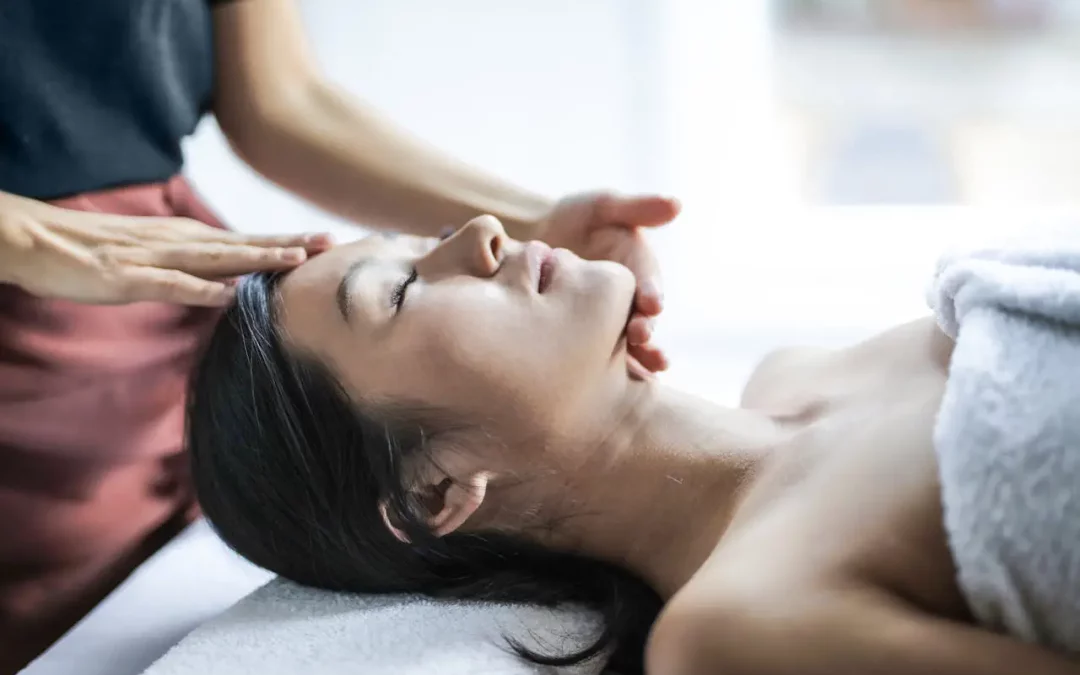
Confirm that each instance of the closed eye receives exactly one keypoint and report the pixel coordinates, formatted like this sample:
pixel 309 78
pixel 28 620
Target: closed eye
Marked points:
pixel 397 296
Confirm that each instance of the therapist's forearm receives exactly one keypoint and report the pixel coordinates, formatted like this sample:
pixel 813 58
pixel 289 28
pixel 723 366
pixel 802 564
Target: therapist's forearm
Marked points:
pixel 346 158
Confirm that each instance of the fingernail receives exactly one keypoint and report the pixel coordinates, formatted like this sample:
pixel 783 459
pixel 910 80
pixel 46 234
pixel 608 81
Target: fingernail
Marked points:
pixel 293 255
pixel 319 237
pixel 651 289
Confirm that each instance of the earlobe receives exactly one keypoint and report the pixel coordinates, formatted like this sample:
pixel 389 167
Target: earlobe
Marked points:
pixel 459 502
pixel 394 530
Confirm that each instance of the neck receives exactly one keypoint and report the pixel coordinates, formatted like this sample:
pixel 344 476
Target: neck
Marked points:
pixel 661 484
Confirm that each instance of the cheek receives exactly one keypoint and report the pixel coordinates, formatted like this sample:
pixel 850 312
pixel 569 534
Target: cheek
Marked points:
pixel 490 355
pixel 612 285
pixel 595 314
pixel 468 353
pixel 458 324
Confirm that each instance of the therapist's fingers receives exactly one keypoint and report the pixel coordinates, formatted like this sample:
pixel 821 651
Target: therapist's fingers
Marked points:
pixel 151 284
pixel 639 329
pixel 189 230
pixel 639 211
pixel 215 259
pixel 638 257
pixel 652 358
pixel 312 243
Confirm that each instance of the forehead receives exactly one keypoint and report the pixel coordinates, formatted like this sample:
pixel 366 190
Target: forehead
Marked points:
pixel 331 264
pixel 308 294
pixel 312 284
pixel 321 274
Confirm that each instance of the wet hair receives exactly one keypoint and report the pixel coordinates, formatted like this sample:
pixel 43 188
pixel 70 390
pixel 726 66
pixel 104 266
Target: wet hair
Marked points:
pixel 290 471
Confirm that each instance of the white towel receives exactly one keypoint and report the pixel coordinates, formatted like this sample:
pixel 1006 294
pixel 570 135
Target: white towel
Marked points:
pixel 1008 432
pixel 286 629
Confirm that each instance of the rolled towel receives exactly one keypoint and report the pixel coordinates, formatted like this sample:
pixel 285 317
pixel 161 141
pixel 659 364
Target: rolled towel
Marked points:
pixel 1008 432
pixel 285 629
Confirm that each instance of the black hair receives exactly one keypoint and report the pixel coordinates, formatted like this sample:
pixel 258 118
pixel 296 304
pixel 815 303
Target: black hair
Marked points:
pixel 290 472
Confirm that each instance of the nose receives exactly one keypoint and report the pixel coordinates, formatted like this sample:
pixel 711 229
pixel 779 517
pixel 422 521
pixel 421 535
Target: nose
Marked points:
pixel 476 249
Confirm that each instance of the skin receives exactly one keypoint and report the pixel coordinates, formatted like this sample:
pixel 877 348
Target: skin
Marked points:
pixel 799 533
pixel 474 292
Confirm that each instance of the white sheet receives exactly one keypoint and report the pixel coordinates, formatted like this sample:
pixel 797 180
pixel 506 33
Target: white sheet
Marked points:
pixel 191 580
pixel 283 629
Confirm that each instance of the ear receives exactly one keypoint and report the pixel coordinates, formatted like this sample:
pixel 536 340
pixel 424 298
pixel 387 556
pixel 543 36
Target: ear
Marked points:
pixel 450 503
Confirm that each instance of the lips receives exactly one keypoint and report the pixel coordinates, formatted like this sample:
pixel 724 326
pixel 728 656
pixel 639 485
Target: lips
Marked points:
pixel 547 269
pixel 541 262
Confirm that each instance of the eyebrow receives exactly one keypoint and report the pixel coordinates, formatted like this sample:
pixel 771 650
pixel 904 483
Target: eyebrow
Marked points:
pixel 344 289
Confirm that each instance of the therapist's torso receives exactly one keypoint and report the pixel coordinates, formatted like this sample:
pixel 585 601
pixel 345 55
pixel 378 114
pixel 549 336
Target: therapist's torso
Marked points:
pixel 99 93
pixel 96 97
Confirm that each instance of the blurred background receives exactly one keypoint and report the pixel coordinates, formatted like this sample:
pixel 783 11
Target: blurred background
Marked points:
pixel 825 150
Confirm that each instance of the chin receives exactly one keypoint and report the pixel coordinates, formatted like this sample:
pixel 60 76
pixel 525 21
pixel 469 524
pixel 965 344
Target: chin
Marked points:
pixel 603 296
pixel 613 278
pixel 614 301
pixel 624 285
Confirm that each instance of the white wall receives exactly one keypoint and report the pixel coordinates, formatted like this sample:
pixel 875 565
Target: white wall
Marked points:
pixel 545 92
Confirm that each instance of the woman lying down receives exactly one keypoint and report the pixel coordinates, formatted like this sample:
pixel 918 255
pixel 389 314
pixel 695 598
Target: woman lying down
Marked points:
pixel 455 418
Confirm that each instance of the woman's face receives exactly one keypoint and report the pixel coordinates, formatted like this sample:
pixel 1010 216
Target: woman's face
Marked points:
pixel 515 335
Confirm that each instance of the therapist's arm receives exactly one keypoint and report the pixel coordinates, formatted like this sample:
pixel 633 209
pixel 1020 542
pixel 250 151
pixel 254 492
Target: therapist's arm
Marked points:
pixel 299 131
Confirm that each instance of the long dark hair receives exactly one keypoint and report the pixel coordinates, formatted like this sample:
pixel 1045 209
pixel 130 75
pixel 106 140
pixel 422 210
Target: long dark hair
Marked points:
pixel 290 472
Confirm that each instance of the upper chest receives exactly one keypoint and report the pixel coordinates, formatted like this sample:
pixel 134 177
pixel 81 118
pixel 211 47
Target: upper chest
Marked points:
pixel 852 494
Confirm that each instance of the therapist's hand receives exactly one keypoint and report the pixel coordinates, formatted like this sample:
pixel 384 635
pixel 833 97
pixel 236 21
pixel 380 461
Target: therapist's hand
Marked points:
pixel 104 259
pixel 605 226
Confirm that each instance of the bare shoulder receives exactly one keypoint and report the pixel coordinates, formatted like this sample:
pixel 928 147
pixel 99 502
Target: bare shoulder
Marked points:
pixel 790 382
pixel 719 624
pixel 753 582
pixel 780 381
pixel 688 622
pixel 847 628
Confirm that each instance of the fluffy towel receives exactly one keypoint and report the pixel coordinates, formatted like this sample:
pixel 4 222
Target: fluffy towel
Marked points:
pixel 285 629
pixel 1008 432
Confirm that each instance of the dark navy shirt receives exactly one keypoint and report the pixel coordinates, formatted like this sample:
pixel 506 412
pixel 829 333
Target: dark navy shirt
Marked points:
pixel 99 93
